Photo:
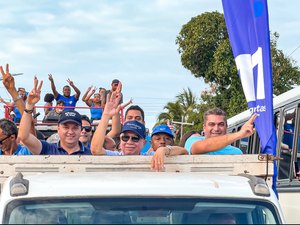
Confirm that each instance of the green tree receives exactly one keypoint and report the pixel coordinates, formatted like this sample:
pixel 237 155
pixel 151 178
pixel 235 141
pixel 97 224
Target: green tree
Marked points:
pixel 184 106
pixel 174 112
pixel 205 51
pixel 188 101
pixel 285 73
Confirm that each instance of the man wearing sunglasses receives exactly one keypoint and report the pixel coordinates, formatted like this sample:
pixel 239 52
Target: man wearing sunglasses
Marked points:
pixel 135 112
pixel 132 140
pixel 86 131
pixel 68 129
pixel 8 139
pixel 132 137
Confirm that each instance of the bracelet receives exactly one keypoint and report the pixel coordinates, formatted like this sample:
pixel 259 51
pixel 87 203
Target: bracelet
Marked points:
pixel 17 98
pixel 29 111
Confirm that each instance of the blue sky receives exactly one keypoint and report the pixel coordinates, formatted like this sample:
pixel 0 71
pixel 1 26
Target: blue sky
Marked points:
pixel 93 42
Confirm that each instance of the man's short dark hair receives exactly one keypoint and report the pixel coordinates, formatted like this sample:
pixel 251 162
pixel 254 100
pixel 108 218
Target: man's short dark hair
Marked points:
pixel 48 97
pixel 136 107
pixel 60 102
pixel 86 118
pixel 8 127
pixel 215 111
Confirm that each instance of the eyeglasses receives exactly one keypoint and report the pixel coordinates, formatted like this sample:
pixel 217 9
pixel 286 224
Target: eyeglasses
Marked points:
pixel 1 141
pixel 126 138
pixel 86 128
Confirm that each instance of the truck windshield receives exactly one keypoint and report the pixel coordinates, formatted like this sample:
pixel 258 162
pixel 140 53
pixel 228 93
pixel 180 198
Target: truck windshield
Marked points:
pixel 137 210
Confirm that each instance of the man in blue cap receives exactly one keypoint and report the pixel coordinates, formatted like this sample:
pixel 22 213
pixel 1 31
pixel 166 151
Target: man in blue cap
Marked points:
pixel 161 136
pixel 132 137
pixel 162 142
pixel 68 129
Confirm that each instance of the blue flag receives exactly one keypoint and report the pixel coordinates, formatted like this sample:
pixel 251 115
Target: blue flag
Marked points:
pixel 248 29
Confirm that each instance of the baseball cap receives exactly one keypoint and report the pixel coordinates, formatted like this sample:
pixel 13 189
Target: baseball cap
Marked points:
pixel 162 129
pixel 135 127
pixel 115 81
pixel 70 116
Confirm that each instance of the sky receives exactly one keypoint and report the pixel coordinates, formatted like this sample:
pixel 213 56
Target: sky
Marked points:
pixel 93 42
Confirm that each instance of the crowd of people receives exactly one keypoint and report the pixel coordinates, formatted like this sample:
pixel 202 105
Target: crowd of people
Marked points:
pixel 75 135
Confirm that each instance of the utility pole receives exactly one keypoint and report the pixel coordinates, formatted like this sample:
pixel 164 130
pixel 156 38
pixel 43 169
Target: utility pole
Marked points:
pixel 181 125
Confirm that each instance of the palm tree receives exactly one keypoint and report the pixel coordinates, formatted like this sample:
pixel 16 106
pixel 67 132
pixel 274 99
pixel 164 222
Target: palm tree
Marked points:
pixel 174 112
pixel 187 101
pixel 184 106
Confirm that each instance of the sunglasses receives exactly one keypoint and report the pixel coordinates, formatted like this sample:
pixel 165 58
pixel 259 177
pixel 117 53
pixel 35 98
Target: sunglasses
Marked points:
pixel 126 138
pixel 1 141
pixel 86 128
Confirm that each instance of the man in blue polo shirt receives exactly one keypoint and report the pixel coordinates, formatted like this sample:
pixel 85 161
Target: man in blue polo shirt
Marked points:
pixel 68 129
pixel 216 140
pixel 69 100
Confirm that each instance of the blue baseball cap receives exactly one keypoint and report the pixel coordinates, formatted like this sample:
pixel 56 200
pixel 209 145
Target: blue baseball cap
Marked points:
pixel 135 127
pixel 162 129
pixel 70 116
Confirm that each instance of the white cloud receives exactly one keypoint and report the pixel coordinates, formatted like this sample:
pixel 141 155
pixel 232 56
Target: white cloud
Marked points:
pixel 93 42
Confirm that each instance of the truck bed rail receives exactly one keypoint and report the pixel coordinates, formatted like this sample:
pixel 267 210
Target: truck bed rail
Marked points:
pixel 257 165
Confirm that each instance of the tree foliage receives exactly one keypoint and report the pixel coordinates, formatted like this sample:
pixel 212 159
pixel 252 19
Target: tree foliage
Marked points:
pixel 185 107
pixel 205 50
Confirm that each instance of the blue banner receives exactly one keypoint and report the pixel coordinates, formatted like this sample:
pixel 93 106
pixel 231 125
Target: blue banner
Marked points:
pixel 248 29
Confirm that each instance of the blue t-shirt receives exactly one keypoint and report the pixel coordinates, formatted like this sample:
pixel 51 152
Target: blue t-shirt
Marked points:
pixel 96 113
pixel 69 101
pixel 21 150
pixel 18 115
pixel 227 150
pixel 56 149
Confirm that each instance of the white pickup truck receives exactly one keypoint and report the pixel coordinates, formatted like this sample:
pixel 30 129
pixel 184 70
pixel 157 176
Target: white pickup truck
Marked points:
pixel 105 189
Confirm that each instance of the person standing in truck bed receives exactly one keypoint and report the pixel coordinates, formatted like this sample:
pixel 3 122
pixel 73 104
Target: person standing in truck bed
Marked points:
pixel 69 100
pixel 68 129
pixel 216 141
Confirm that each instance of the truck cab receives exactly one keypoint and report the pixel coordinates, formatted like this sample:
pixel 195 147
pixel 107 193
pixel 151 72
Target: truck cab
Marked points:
pixel 101 192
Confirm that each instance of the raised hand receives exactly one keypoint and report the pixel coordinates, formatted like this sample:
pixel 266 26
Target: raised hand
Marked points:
pixel 50 77
pixel 8 80
pixel 248 128
pixel 35 94
pixel 70 82
pixel 119 88
pixel 92 89
pixel 112 106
